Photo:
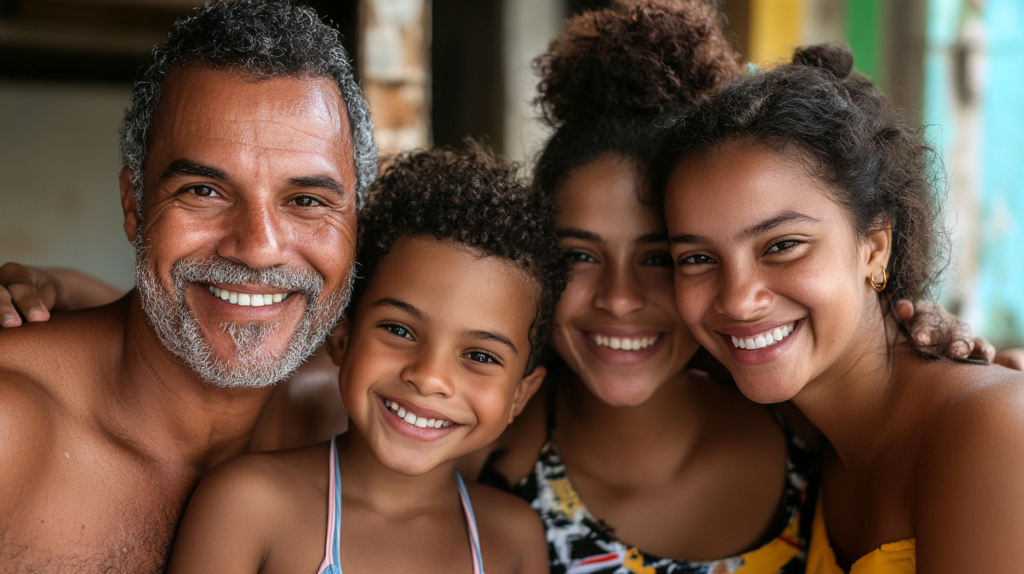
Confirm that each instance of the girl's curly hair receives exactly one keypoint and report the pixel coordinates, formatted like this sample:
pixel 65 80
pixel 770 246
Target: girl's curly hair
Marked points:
pixel 848 135
pixel 472 197
pixel 613 72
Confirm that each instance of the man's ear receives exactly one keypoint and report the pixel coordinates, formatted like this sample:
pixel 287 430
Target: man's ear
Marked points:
pixel 526 389
pixel 129 205
pixel 876 249
pixel 337 341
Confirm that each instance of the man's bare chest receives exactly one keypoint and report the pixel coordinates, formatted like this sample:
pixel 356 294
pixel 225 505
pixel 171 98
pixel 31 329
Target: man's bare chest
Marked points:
pixel 99 514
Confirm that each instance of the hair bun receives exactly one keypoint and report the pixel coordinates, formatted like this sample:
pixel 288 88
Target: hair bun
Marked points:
pixel 832 57
pixel 638 58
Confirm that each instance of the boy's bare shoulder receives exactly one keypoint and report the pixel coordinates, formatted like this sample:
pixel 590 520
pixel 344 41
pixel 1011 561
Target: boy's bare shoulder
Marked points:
pixel 511 533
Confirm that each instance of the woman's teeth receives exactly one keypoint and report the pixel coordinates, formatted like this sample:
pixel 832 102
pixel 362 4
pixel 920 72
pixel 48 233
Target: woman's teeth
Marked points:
pixel 624 343
pixel 246 299
pixel 414 420
pixel 766 339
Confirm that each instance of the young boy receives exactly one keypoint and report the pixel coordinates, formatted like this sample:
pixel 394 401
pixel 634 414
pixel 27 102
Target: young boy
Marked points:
pixel 460 270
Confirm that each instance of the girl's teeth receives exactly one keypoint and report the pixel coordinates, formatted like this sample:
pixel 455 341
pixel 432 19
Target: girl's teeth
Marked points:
pixel 414 420
pixel 624 343
pixel 246 299
pixel 766 339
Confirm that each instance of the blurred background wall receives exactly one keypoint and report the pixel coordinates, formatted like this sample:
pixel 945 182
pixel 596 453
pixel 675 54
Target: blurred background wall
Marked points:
pixel 436 71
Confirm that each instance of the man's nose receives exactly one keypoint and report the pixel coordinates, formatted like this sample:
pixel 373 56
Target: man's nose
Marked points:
pixel 256 237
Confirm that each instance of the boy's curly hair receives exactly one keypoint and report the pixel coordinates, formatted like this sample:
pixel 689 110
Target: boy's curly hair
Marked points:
pixel 607 79
pixel 472 197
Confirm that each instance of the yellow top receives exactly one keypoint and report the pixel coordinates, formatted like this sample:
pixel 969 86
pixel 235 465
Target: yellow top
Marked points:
pixel 891 558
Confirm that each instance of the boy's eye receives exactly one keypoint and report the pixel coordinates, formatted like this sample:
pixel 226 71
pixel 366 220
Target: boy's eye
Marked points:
pixel 305 201
pixel 202 191
pixel 578 257
pixel 480 357
pixel 398 330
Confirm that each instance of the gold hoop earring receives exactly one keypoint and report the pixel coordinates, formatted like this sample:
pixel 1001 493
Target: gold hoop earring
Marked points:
pixel 875 284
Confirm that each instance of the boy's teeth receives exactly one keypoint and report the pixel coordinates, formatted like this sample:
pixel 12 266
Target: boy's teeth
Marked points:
pixel 624 343
pixel 246 299
pixel 766 339
pixel 414 420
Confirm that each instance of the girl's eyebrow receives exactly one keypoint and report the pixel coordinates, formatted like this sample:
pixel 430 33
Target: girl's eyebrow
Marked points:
pixel 752 231
pixel 491 336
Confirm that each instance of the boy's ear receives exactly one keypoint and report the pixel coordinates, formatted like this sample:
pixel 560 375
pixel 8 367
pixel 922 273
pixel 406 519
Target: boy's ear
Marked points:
pixel 527 387
pixel 129 205
pixel 337 341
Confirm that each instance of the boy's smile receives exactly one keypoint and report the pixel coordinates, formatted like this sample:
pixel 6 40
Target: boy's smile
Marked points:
pixel 433 367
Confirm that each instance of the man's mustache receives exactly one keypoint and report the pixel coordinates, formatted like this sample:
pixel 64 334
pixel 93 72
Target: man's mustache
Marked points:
pixel 220 270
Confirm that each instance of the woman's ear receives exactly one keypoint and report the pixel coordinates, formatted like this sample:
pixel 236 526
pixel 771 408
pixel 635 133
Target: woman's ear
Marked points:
pixel 877 248
pixel 337 341
pixel 526 388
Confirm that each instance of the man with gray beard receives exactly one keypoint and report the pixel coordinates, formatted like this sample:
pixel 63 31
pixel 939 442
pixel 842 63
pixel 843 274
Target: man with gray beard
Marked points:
pixel 247 147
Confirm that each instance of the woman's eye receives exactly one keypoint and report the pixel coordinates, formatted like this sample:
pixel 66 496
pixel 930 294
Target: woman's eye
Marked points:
pixel 579 257
pixel 399 331
pixel 202 191
pixel 480 357
pixel 696 259
pixel 659 260
pixel 305 201
pixel 783 246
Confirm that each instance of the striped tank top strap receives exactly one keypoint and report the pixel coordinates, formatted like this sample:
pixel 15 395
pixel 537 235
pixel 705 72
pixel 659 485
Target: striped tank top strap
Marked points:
pixel 332 552
pixel 474 534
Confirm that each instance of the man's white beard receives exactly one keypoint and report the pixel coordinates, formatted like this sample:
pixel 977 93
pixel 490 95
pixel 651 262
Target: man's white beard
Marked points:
pixel 252 366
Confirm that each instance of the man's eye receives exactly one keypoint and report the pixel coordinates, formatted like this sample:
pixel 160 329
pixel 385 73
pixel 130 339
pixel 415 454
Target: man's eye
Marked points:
pixel 202 191
pixel 480 357
pixel 578 257
pixel 399 331
pixel 305 201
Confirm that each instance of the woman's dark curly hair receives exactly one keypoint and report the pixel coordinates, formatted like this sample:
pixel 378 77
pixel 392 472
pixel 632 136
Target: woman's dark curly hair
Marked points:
pixel 613 72
pixel 471 197
pixel 847 134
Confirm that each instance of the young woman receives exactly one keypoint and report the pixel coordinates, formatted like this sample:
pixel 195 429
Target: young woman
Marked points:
pixel 799 205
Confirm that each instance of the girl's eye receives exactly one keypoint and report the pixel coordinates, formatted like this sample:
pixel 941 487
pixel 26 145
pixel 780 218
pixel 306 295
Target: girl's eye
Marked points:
pixel 659 260
pixel 783 246
pixel 480 357
pixel 578 257
pixel 202 191
pixel 305 201
pixel 398 330
pixel 696 259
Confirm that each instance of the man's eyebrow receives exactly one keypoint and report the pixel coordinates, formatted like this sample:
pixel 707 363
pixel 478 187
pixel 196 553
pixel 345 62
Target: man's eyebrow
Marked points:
pixel 659 237
pixel 187 167
pixel 752 231
pixel 491 336
pixel 577 233
pixel 319 181
pixel 401 306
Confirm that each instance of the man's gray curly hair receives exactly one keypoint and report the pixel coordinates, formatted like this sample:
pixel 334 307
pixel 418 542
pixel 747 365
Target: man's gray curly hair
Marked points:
pixel 261 38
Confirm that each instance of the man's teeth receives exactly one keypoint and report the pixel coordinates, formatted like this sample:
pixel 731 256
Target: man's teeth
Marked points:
pixel 246 299
pixel 766 339
pixel 624 343
pixel 414 420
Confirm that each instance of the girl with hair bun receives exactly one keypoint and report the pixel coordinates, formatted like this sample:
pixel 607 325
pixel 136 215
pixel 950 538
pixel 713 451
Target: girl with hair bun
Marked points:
pixel 799 206
pixel 634 462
